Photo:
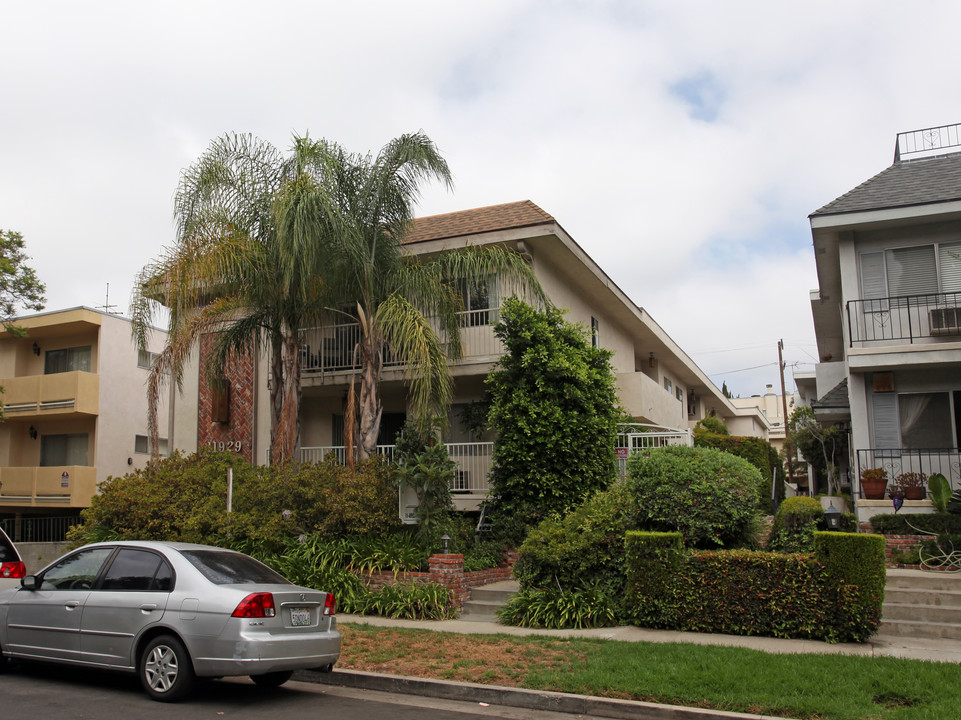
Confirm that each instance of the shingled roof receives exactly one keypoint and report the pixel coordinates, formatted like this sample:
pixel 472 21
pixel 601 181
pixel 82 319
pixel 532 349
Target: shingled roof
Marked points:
pixel 908 182
pixel 479 220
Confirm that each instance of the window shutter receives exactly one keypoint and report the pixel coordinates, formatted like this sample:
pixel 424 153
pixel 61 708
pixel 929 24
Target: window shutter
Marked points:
pixel 950 257
pixel 873 284
pixel 912 271
pixel 884 415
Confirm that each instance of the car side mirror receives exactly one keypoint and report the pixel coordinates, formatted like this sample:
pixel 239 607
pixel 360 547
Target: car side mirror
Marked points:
pixel 29 582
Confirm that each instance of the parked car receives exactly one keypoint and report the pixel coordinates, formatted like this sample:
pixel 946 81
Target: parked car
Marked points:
pixel 11 566
pixel 169 612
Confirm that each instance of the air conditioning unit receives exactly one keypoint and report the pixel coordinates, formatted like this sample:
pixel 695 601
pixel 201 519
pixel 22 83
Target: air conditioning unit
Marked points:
pixel 945 321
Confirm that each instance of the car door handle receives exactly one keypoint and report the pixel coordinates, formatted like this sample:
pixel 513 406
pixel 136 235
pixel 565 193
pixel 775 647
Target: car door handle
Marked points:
pixel 148 607
pixel 71 605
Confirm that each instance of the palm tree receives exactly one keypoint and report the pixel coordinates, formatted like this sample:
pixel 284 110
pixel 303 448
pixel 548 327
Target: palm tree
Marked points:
pixel 392 295
pixel 240 267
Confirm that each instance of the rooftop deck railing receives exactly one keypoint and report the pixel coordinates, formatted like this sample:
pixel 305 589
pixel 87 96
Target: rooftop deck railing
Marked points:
pixel 905 319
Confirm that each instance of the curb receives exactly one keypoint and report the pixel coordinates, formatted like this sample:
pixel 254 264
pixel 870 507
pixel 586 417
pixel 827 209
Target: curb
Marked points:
pixel 520 698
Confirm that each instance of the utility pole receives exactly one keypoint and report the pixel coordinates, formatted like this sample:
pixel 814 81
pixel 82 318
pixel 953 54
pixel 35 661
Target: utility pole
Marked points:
pixel 780 366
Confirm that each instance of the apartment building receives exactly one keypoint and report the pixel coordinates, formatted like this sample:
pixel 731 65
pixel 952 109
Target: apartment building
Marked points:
pixel 887 314
pixel 76 412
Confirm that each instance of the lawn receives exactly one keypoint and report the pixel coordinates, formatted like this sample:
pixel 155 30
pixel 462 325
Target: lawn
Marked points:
pixel 807 687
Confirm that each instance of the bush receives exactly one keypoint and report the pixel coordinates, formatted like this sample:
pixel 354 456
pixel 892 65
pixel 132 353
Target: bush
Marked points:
pixel 833 595
pixel 184 498
pixel 582 551
pixel 711 425
pixel 709 496
pixel 794 524
pixel 757 451
pixel 553 404
pixel 855 574
pixel 937 523
pixel 424 464
pixel 554 608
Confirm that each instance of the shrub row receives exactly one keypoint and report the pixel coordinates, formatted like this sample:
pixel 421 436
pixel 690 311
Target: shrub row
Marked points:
pixel 898 524
pixel 833 595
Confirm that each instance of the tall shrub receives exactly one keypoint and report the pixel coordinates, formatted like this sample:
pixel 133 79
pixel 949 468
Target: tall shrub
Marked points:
pixel 709 496
pixel 554 408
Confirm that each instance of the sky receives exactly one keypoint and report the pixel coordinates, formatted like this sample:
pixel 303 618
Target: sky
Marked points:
pixel 682 144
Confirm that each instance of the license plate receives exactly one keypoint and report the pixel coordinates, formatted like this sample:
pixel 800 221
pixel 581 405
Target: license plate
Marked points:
pixel 299 617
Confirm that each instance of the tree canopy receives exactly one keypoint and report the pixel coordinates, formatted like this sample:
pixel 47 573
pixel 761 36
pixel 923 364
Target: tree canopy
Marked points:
pixel 20 288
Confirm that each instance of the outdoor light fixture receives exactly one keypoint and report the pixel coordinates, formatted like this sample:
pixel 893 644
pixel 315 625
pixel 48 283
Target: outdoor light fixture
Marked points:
pixel 832 518
pixel 446 538
pixel 36 349
pixel 650 362
pixel 32 432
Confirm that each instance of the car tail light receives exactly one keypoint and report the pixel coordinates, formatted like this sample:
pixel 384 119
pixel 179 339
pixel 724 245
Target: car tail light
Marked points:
pixel 256 605
pixel 330 605
pixel 13 570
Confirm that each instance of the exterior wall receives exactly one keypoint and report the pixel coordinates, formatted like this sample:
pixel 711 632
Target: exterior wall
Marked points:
pixel 236 435
pixel 648 401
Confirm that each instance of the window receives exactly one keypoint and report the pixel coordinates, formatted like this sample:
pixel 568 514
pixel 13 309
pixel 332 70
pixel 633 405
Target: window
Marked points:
pixel 137 570
pixel 58 450
pixel 668 385
pixel 679 394
pixel 916 421
pixel 480 301
pixel 220 401
pixel 146 359
pixel 222 567
pixel 77 571
pixel 141 444
pixel 67 360
pixel 595 332
pixel 918 270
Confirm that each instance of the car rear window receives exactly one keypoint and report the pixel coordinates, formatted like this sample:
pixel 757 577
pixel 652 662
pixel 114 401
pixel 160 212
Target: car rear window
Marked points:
pixel 7 551
pixel 227 568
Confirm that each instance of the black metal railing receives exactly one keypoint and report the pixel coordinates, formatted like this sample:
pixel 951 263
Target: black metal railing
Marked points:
pixel 895 462
pixel 905 319
pixel 928 141
pixel 39 529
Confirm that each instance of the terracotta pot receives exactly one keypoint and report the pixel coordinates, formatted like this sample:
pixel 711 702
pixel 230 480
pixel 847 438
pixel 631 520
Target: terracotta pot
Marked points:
pixel 914 493
pixel 873 488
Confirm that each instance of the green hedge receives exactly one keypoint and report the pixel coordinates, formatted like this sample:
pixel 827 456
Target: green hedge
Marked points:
pixel 831 595
pixel 898 524
pixel 757 451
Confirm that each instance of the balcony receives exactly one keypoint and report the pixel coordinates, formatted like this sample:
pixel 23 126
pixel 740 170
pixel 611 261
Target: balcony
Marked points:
pixel 330 349
pixel 47 486
pixel 946 461
pixel 905 320
pixel 37 396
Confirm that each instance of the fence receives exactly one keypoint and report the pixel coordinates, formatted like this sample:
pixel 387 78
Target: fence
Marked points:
pixel 639 436
pixel 902 460
pixel 905 319
pixel 39 529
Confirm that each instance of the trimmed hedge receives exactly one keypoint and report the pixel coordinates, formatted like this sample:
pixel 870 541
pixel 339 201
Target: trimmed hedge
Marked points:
pixel 939 523
pixel 794 524
pixel 834 594
pixel 757 451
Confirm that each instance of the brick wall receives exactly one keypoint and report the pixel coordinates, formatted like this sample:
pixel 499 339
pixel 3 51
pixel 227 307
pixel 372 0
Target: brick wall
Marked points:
pixel 446 570
pixel 238 434
pixel 893 544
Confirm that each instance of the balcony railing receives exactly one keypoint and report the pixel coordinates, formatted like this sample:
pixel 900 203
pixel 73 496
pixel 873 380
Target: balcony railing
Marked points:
pixel 640 436
pixel 69 485
pixel 946 461
pixel 905 319
pixel 330 348
pixel 473 462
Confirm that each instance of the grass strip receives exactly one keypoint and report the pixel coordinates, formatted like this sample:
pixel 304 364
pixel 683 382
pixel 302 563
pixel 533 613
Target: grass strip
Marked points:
pixel 806 687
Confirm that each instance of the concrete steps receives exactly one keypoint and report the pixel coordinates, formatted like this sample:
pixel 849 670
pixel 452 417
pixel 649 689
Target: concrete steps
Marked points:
pixel 486 599
pixel 922 605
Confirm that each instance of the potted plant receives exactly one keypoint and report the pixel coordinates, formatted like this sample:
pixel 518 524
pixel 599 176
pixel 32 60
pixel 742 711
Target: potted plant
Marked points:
pixel 910 485
pixel 874 481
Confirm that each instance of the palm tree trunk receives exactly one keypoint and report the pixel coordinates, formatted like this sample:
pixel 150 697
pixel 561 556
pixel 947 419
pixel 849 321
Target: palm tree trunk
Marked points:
pixel 287 429
pixel 371 365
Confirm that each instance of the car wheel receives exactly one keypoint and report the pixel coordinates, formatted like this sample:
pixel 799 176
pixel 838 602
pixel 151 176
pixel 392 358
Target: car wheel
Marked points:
pixel 325 668
pixel 166 673
pixel 272 679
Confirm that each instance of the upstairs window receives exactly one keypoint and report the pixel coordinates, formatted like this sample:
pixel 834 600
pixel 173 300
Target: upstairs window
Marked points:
pixel 595 332
pixel 67 360
pixel 480 301
pixel 918 270
pixel 59 450
pixel 146 359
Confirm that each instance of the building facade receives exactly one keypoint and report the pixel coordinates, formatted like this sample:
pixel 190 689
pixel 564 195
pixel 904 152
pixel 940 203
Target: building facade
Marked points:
pixel 658 384
pixel 74 391
pixel 887 314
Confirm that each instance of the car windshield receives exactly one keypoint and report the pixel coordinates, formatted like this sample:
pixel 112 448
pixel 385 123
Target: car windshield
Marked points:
pixel 228 568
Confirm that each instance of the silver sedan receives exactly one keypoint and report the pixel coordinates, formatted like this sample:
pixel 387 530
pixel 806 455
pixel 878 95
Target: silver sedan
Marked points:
pixel 169 612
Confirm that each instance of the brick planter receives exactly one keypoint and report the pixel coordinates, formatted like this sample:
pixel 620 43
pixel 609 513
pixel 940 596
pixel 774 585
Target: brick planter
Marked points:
pixel 446 570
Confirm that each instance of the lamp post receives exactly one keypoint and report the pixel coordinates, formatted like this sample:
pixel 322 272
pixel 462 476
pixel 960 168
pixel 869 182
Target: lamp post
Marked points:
pixel 832 518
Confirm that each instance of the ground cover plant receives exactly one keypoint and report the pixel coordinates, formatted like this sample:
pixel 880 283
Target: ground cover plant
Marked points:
pixel 802 686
